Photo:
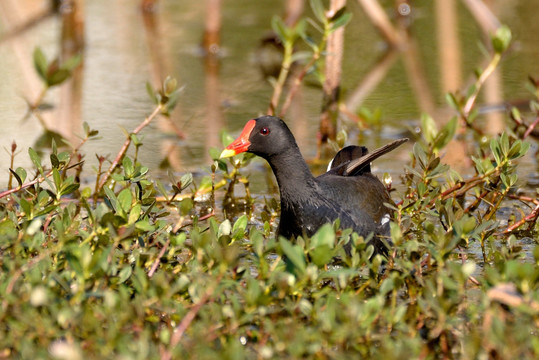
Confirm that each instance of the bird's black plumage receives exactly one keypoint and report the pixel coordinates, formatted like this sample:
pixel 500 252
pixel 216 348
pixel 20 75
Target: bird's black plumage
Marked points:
pixel 348 191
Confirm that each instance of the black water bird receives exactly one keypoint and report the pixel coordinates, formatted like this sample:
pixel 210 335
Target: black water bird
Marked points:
pixel 347 191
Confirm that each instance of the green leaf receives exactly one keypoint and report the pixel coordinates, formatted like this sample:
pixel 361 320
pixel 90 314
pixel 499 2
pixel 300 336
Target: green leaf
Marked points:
pixel 452 101
pixel 145 225
pixel 172 101
pixel 504 144
pixel 253 292
pixel 325 236
pixel 22 173
pixel 169 86
pixel 63 157
pixel 280 28
pixel 428 128
pixel 151 93
pixel 446 134
pixel 35 159
pixel 162 189
pixel 300 28
pixel 295 257
pixel 26 207
pixel 134 214
pixel 135 139
pixel 224 228
pixel 341 21
pixel 496 151
pixel 58 77
pixel 420 155
pixel 54 161
pixel 68 189
pixel 185 181
pixel 57 179
pixel 240 224
pixel 71 63
pixel 112 198
pixel 127 164
pixel 40 64
pixel 321 255
pixel 318 10
pixel 125 199
pixel 124 274
pixel 515 113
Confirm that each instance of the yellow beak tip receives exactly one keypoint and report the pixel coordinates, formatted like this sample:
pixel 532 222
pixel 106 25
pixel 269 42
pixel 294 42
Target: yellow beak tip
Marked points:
pixel 227 153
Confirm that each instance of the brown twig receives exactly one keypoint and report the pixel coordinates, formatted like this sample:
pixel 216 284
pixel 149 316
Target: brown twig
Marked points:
pixel 524 198
pixel 158 260
pixel 531 127
pixel 296 83
pixel 126 144
pixel 476 202
pixel 205 217
pixel 531 218
pixel 187 320
pixel 38 180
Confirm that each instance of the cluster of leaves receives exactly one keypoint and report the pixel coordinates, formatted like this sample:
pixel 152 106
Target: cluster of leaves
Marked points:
pixel 83 279
pixel 112 274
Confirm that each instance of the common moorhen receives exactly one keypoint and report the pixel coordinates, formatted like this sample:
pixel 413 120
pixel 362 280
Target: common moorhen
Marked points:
pixel 348 191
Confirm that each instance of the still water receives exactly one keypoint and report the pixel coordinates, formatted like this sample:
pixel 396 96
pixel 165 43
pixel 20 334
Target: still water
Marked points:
pixel 123 51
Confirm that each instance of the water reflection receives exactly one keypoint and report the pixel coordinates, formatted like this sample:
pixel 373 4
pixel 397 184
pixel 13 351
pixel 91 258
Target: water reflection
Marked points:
pixel 433 49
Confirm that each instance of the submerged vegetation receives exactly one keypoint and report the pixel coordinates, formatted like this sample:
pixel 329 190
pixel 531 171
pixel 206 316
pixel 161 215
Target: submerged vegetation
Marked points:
pixel 131 267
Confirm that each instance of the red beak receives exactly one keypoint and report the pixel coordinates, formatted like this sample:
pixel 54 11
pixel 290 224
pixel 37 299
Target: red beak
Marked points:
pixel 241 144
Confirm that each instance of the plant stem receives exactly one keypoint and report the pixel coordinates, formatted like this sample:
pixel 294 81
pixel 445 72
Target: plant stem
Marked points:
pixel 283 75
pixel 479 83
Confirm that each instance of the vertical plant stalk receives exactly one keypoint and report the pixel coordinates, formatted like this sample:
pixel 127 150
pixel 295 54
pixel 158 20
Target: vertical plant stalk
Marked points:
pixel 126 144
pixel 299 78
pixel 331 86
pixel 468 106
pixel 283 75
pixel 12 164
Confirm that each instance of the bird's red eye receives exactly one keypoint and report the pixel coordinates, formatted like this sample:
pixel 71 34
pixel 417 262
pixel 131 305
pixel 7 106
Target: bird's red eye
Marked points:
pixel 264 131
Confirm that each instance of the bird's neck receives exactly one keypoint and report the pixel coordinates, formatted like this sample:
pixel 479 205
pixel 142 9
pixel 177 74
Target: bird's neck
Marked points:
pixel 292 173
